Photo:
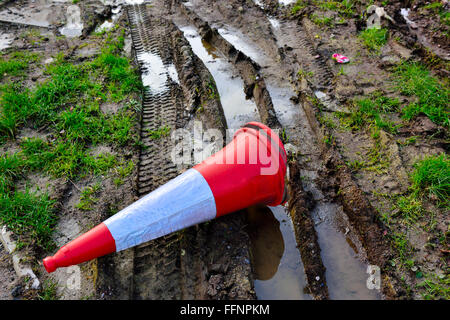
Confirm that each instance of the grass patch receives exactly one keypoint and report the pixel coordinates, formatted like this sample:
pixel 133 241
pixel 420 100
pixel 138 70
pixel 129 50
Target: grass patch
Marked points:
pixel 72 96
pixel 87 198
pixel 69 159
pixel 413 79
pixel 321 21
pixel 123 171
pixel 402 246
pixel 326 120
pixel 410 208
pixel 345 8
pixel 431 178
pixel 17 63
pixel 15 109
pixel 372 111
pixel 159 133
pixel 436 287
pixel 299 5
pixel 29 214
pixel 48 291
pixel 67 106
pixel 377 160
pixel 374 39
pixel 69 101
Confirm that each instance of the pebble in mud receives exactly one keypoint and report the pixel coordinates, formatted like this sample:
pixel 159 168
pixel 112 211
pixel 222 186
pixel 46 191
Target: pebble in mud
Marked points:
pixel 16 291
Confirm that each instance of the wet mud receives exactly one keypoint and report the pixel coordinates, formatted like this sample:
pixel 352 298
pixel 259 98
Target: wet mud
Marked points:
pixel 224 64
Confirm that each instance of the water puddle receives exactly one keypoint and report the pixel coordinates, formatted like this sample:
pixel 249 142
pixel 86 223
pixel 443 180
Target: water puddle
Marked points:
pixel 280 91
pixel 405 13
pixel 74 25
pixel 276 261
pixel 5 40
pixel 346 275
pixel 259 3
pixel 155 74
pixel 27 16
pixel 109 24
pixel 275 23
pixel 236 108
pixel 286 2
pixel 233 37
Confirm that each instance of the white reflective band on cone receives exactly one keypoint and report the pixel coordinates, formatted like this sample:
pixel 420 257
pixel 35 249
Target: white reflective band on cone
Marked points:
pixel 182 202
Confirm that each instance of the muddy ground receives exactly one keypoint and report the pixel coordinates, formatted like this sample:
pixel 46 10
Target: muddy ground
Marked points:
pixel 347 180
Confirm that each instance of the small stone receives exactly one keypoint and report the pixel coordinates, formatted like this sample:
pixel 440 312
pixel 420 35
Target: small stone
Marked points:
pixel 17 291
pixel 317 278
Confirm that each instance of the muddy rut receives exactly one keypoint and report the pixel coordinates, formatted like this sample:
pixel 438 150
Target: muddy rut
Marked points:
pixel 214 260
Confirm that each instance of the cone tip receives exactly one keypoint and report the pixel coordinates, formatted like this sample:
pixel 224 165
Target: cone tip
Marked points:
pixel 49 264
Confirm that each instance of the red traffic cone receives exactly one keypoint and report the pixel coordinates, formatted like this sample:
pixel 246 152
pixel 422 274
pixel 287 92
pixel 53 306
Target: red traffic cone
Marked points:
pixel 249 170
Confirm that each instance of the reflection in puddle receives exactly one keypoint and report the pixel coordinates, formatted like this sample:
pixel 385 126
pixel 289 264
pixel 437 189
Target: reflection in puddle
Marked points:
pixel 286 2
pixel 5 40
pixel 234 37
pixel 26 16
pixel 109 24
pixel 155 74
pixel 275 23
pixel 276 261
pixel 74 26
pixel 267 242
pixel 345 273
pixel 236 108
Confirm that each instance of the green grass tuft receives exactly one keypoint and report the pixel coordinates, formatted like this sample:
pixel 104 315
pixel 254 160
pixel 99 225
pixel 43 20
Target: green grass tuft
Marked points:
pixel 431 177
pixel 374 39
pixel 17 63
pixel 48 291
pixel 67 107
pixel 372 111
pixel 432 97
pixel 30 214
pixel 87 198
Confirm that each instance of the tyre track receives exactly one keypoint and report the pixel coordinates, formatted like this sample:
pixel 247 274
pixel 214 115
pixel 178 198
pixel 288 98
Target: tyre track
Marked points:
pixel 156 263
pixel 182 265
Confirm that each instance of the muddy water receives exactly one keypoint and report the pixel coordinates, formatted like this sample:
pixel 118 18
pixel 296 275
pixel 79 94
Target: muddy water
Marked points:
pixel 346 273
pixel 109 23
pixel 236 108
pixel 276 260
pixel 156 75
pixel 5 40
pixel 37 18
pixel 74 26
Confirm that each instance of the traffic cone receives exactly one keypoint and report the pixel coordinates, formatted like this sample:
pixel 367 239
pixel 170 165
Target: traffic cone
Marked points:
pixel 249 170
